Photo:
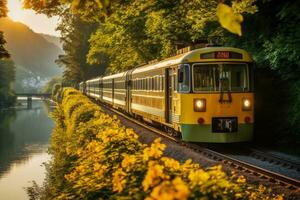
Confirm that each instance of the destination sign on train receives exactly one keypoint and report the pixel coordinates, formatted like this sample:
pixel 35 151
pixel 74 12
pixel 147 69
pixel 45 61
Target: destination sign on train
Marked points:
pixel 221 55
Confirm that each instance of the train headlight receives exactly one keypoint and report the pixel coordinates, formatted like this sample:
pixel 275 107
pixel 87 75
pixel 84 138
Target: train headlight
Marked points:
pixel 199 105
pixel 247 105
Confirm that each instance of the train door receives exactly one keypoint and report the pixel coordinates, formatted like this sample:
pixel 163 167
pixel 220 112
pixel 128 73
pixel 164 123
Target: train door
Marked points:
pixel 169 94
pixel 128 87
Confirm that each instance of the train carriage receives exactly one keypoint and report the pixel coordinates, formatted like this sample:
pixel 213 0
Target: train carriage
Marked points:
pixel 82 86
pixel 147 93
pixel 206 94
pixel 93 88
pixel 216 91
pixel 119 91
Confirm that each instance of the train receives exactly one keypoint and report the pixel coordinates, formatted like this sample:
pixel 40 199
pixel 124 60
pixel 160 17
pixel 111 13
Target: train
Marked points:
pixel 201 95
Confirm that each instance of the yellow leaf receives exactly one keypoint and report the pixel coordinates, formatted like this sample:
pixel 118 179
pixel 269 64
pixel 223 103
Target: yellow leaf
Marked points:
pixel 228 19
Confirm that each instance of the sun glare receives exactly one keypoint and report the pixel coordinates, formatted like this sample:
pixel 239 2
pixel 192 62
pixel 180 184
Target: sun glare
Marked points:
pixel 16 11
pixel 38 22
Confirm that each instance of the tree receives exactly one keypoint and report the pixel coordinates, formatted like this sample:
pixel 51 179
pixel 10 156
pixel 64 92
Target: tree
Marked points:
pixel 48 87
pixel 7 76
pixel 272 36
pixel 74 35
pixel 7 68
pixel 3 13
pixel 3 51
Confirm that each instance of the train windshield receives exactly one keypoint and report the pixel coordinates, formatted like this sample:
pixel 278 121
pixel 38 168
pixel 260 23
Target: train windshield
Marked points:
pixel 220 77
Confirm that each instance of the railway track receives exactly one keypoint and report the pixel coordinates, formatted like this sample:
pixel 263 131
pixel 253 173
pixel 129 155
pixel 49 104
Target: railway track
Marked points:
pixel 274 159
pixel 272 177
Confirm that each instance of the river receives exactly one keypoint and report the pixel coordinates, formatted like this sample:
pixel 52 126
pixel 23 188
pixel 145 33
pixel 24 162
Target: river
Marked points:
pixel 24 139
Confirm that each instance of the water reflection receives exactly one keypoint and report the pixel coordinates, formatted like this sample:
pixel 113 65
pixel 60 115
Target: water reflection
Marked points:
pixel 24 138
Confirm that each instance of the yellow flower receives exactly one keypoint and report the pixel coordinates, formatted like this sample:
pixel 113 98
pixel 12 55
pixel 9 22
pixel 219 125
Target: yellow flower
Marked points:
pixel 99 170
pixel 119 180
pixel 128 160
pixel 155 150
pixel 175 190
pixel 131 134
pixel 153 176
pixel 241 179
pixel 198 177
pixel 171 163
pixel 182 190
pixel 238 195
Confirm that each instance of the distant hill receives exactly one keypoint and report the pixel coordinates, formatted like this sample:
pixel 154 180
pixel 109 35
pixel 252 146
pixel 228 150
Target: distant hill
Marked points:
pixel 33 54
pixel 53 39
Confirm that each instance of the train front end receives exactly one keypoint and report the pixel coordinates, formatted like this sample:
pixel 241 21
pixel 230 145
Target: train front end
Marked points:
pixel 216 96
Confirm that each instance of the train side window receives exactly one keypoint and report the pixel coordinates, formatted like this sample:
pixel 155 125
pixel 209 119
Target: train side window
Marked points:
pixel 143 84
pixel 153 83
pixel 134 84
pixel 140 84
pixel 149 83
pixel 184 78
pixel 175 82
pixel 163 83
pixel 157 82
pixel 146 84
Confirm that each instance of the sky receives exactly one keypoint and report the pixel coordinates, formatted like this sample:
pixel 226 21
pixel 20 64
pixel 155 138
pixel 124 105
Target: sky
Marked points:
pixel 37 22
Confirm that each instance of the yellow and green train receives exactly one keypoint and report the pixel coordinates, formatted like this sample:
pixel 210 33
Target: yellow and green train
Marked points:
pixel 204 95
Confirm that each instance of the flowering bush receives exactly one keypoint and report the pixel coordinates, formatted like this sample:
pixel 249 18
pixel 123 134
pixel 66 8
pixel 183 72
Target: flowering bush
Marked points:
pixel 95 157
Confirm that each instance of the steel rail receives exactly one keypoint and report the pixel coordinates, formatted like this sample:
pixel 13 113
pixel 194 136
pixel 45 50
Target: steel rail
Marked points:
pixel 272 158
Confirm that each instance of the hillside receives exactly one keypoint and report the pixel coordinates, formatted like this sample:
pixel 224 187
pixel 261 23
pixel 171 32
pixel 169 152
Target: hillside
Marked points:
pixel 32 53
pixel 53 39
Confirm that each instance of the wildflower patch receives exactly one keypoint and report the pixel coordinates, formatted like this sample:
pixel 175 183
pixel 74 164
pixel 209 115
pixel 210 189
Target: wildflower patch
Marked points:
pixel 96 157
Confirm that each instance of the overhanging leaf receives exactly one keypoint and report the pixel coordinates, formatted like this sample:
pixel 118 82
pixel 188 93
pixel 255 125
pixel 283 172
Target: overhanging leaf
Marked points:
pixel 228 19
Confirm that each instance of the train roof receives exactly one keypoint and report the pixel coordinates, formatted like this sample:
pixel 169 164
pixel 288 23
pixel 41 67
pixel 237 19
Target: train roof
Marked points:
pixel 122 74
pixel 193 56
pixel 94 79
pixel 188 57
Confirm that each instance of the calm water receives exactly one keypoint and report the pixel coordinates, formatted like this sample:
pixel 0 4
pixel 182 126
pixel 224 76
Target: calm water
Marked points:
pixel 24 139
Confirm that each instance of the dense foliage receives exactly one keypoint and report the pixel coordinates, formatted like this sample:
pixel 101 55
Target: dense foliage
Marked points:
pixel 7 76
pixel 273 37
pixel 125 34
pixel 3 13
pixel 95 157
pixel 7 68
